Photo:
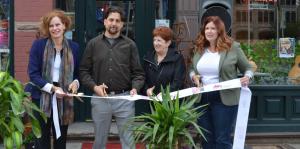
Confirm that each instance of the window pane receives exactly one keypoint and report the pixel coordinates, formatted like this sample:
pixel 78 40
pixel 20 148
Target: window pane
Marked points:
pixel 287 16
pixel 266 16
pixel 244 16
pixel 238 16
pixel 128 7
pixel 4 33
pixel 293 17
pixel 293 2
pixel 69 7
pixel 271 18
pixel 260 16
pixel 273 66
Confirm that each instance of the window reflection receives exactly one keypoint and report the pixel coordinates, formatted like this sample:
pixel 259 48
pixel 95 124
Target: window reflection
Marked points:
pixel 266 28
pixel 128 7
pixel 4 18
pixel 4 34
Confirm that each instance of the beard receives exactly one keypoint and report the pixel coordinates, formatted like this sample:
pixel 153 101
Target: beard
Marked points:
pixel 113 30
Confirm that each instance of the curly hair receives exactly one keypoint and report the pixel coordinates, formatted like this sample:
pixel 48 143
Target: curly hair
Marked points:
pixel 45 21
pixel 223 41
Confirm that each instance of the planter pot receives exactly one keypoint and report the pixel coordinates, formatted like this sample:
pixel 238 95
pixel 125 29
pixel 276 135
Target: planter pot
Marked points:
pixel 274 109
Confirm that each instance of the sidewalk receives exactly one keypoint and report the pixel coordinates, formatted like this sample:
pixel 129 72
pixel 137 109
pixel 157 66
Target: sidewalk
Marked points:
pixel 84 132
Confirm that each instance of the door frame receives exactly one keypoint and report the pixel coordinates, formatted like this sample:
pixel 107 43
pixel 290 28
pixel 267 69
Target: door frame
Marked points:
pixel 85 29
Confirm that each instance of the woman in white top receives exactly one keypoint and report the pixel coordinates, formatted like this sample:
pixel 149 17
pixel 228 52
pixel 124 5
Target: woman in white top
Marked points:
pixel 53 68
pixel 218 58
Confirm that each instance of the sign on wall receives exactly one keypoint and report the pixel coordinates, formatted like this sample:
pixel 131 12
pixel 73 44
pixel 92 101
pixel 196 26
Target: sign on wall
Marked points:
pixel 258 6
pixel 162 22
pixel 286 47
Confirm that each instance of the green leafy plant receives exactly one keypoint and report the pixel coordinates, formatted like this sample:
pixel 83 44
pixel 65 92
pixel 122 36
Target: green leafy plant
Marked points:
pixel 14 103
pixel 265 55
pixel 169 123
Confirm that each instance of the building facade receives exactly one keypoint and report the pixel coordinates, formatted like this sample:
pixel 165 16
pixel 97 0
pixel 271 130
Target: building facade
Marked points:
pixel 257 24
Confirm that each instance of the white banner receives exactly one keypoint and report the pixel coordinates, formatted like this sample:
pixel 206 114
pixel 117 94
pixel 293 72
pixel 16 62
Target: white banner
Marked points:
pixel 235 83
pixel 55 116
pixel 242 119
pixel 243 109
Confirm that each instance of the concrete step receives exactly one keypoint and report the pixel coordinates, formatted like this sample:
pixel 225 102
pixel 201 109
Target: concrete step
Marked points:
pixel 84 131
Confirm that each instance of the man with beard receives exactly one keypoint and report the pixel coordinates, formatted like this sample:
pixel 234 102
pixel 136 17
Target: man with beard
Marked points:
pixel 110 66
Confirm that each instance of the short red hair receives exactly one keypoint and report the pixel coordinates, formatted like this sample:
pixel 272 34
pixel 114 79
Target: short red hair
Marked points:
pixel 164 32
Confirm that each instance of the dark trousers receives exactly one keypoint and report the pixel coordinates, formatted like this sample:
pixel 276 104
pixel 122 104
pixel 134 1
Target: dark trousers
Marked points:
pixel 45 141
pixel 218 120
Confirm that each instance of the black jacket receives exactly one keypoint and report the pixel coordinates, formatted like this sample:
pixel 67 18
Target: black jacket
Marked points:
pixel 171 71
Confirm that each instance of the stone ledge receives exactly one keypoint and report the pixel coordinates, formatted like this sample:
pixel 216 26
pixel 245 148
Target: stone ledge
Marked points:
pixel 26 26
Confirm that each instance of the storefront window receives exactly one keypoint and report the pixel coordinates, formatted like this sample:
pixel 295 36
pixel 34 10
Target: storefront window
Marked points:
pixel 101 7
pixel 128 7
pixel 69 7
pixel 274 39
pixel 4 34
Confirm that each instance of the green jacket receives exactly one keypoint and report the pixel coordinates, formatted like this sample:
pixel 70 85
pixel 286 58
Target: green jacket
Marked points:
pixel 230 62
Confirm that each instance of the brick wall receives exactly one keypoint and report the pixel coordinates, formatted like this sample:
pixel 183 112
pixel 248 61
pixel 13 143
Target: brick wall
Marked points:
pixel 27 16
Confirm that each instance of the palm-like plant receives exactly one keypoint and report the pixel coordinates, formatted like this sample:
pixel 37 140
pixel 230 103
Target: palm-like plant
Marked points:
pixel 169 122
pixel 14 103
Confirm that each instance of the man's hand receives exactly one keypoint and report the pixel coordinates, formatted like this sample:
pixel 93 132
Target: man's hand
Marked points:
pixel 150 91
pixel 73 87
pixel 100 90
pixel 133 92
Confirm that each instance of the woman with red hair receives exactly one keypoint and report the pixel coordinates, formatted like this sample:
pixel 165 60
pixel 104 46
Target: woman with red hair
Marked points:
pixel 53 69
pixel 163 66
pixel 218 58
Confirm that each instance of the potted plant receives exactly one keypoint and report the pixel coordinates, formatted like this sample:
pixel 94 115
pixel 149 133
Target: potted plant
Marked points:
pixel 169 122
pixel 14 103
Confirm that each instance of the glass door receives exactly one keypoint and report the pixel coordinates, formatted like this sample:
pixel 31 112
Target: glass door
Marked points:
pixel 87 18
pixel 128 7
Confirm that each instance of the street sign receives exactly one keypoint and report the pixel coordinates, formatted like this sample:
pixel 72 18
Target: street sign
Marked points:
pixel 258 6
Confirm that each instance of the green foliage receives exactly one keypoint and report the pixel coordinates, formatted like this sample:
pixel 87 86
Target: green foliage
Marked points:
pixel 170 121
pixel 264 54
pixel 14 103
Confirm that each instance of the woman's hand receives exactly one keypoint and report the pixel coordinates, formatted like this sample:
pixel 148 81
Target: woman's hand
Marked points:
pixel 245 81
pixel 59 92
pixel 150 91
pixel 196 80
pixel 73 87
pixel 133 91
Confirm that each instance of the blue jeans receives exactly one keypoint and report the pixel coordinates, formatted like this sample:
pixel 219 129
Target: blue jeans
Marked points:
pixel 218 120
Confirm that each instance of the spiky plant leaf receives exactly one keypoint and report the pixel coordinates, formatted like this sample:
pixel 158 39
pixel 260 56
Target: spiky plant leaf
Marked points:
pixel 169 121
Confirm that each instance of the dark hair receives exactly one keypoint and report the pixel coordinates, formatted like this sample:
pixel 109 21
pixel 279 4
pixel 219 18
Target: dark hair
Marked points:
pixel 45 21
pixel 164 32
pixel 223 41
pixel 115 9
